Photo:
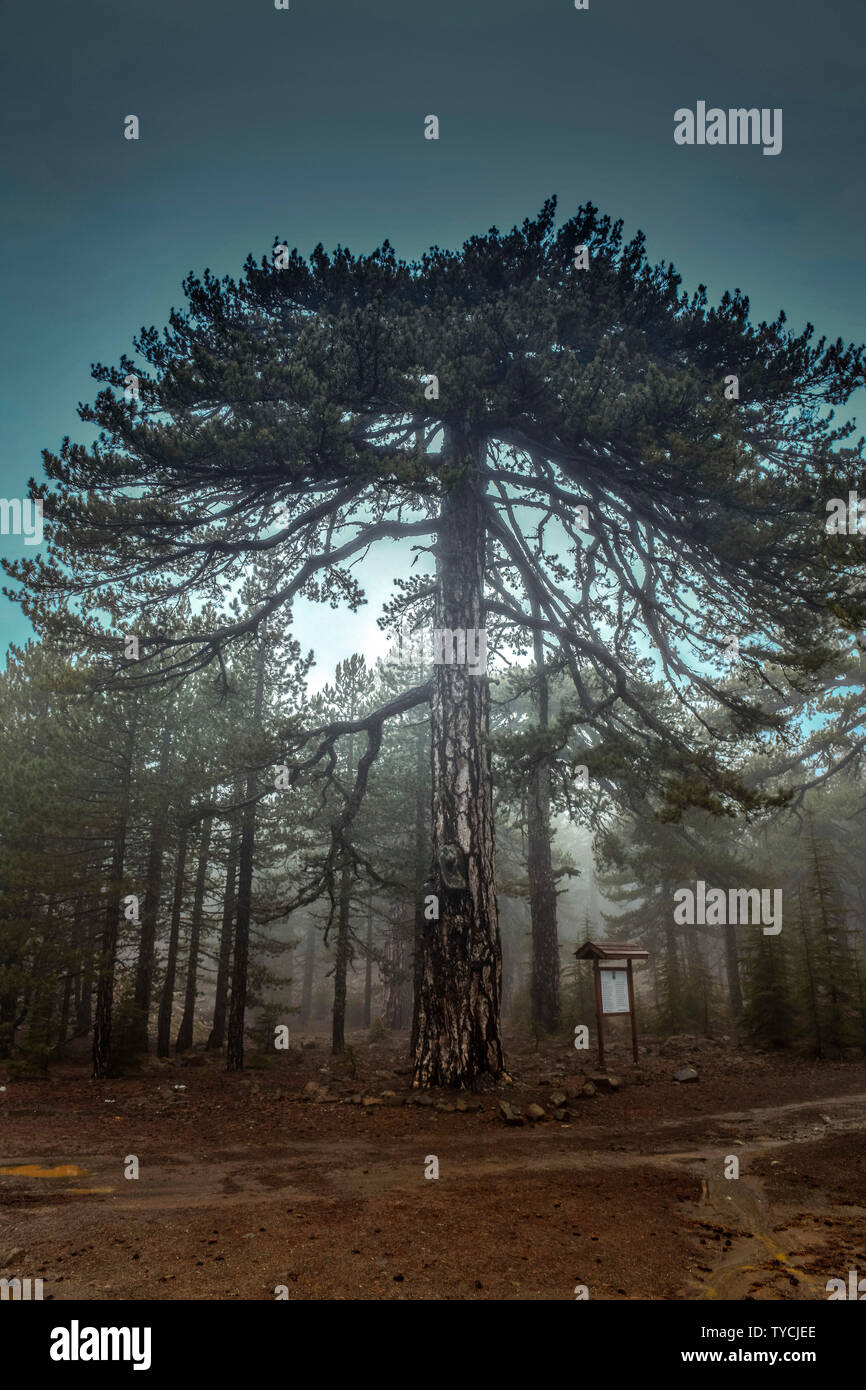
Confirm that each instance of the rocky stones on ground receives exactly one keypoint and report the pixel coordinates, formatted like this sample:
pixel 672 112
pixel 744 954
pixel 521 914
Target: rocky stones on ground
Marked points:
pixel 686 1074
pixel 562 1115
pixel 511 1114
pixel 536 1112
pixel 588 1089
pixel 14 1254
pixel 372 1100
pixel 557 1099
pixel 603 1081
pixel 467 1105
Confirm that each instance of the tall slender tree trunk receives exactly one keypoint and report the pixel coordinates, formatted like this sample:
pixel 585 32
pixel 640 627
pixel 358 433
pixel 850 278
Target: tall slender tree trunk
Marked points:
pixel 341 961
pixel 368 971
pixel 732 968
pixel 84 1004
pixel 221 996
pixel 166 1003
pixel 184 1032
pixel 150 906
pixel 422 870
pixel 237 1010
pixel 459 1042
pixel 395 976
pixel 63 1024
pixel 102 1059
pixel 542 885
pixel 309 971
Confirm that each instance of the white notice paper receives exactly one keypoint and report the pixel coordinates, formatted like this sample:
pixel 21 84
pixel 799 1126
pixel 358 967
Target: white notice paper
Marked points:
pixel 614 992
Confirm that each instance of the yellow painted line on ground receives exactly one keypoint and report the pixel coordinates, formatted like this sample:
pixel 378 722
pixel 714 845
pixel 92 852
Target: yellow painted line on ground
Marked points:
pixel 32 1170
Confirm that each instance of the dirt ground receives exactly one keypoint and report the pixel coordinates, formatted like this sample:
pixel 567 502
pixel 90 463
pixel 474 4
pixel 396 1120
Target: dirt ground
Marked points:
pixel 309 1172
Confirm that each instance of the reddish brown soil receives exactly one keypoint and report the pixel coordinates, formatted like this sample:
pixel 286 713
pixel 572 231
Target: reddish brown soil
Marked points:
pixel 244 1185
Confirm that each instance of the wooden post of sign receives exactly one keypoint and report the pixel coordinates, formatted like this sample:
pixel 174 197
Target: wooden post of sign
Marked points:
pixel 599 1016
pixel 631 1011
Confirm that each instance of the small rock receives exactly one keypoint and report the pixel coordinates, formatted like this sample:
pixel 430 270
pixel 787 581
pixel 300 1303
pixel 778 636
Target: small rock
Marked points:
pixel 562 1115
pixel 389 1095
pixel 536 1112
pixel 510 1113
pixel 587 1089
pixel 372 1100
pixel 604 1082
pixel 557 1099
pixel 686 1074
pixel 14 1254
pixel 467 1106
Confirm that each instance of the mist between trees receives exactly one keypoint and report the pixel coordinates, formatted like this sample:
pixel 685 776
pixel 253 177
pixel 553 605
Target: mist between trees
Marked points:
pixel 195 847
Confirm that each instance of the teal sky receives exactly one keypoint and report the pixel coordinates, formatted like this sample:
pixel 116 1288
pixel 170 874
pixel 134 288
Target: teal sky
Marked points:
pixel 307 124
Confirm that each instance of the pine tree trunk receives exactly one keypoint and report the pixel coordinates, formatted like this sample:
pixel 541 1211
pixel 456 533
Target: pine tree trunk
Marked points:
pixel 542 886
pixel 732 967
pixel 368 972
pixel 341 963
pixel 395 976
pixel 459 1042
pixel 422 872
pixel 221 995
pixel 184 1032
pixel 309 971
pixel 150 908
pixel 84 1009
pixel 102 1060
pixel 166 1003
pixel 63 1024
pixel 237 1010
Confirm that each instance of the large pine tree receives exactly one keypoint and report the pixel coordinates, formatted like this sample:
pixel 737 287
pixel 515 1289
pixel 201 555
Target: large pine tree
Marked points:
pixel 548 412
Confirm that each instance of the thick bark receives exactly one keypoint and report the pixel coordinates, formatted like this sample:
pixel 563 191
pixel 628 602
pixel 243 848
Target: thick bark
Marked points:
pixel 166 1003
pixel 542 885
pixel 237 1010
pixel 309 971
pixel 422 872
pixel 184 1032
pixel 221 996
pixel 102 1060
pixel 459 1042
pixel 150 906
